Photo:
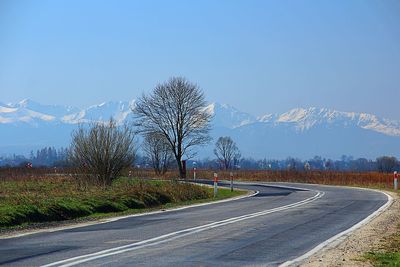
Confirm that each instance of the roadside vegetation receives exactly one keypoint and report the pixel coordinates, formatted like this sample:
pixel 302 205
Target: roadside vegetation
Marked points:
pixel 363 179
pixel 377 180
pixel 389 255
pixel 30 200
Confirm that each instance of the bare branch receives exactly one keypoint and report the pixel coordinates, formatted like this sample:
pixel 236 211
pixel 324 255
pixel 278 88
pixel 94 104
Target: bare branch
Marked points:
pixel 226 152
pixel 175 110
pixel 158 151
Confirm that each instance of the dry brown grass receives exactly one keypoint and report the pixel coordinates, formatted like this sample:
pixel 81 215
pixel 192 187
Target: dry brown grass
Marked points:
pixel 366 179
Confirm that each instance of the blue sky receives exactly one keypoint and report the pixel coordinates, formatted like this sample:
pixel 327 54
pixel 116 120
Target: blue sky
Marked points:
pixel 259 56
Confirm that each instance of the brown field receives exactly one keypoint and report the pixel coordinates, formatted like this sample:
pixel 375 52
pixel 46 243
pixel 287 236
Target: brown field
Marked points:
pixel 366 179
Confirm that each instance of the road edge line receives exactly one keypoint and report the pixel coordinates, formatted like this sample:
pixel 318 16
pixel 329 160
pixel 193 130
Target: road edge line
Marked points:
pixel 338 238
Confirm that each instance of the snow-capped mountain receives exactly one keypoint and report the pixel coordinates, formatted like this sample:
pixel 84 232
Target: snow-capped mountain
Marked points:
pixel 28 111
pixel 303 119
pixel 119 111
pixel 228 116
pixel 300 132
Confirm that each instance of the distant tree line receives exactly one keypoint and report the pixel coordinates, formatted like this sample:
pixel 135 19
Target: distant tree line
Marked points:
pixel 345 163
pixel 51 157
pixel 44 157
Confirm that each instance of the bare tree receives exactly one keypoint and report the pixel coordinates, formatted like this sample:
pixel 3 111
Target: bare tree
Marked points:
pixel 176 111
pixel 101 151
pixel 227 152
pixel 158 151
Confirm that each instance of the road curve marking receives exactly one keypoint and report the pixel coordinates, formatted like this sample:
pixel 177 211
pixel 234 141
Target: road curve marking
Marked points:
pixel 336 238
pixel 175 235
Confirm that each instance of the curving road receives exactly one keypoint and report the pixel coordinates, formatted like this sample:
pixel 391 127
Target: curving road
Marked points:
pixel 275 226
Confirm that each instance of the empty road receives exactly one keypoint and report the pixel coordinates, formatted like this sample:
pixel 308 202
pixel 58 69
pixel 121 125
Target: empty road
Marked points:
pixel 276 225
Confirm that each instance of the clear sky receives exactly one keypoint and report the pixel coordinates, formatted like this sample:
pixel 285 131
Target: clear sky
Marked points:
pixel 259 56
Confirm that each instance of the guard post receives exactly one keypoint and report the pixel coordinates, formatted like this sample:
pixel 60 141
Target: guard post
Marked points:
pixel 194 171
pixel 215 184
pixel 231 175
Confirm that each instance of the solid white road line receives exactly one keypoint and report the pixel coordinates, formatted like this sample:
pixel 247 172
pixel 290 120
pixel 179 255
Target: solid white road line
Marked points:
pixel 172 236
pixel 337 238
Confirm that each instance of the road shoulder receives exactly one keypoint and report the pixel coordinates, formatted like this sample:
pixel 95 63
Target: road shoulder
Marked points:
pixel 369 237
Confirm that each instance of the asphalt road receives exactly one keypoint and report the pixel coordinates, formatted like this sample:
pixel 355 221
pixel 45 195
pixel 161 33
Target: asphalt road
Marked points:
pixel 277 225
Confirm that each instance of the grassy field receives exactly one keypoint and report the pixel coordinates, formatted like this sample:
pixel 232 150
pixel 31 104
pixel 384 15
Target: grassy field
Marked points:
pixel 43 198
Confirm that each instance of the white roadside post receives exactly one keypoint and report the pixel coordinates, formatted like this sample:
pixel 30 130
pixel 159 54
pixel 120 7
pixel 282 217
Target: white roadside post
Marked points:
pixel 194 170
pixel 215 184
pixel 231 175
pixel 395 181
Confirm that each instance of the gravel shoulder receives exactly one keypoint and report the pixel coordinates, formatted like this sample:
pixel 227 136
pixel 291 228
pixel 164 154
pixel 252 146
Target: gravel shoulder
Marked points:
pixel 370 237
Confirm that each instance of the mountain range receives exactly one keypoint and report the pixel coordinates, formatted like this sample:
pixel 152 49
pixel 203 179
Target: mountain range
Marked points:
pixel 300 132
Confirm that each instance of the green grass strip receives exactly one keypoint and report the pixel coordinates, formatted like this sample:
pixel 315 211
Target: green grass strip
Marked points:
pixel 47 201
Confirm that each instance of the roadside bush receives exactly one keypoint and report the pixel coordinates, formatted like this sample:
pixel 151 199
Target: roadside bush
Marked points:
pixel 100 152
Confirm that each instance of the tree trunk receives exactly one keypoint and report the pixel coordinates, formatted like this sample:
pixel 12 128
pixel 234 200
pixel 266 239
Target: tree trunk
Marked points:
pixel 180 167
pixel 181 171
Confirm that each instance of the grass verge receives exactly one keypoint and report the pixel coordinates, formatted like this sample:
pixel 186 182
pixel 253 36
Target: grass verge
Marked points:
pixel 23 202
pixel 390 253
